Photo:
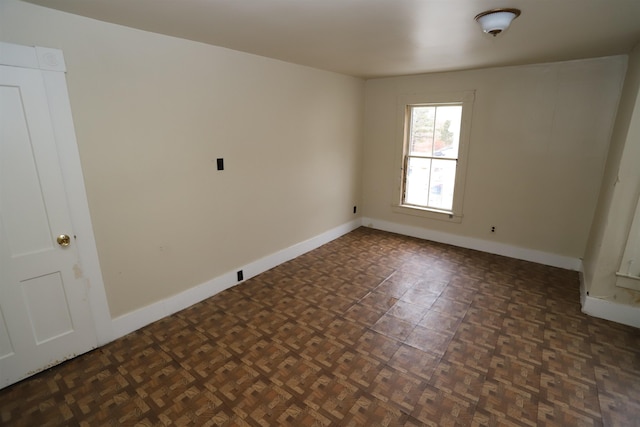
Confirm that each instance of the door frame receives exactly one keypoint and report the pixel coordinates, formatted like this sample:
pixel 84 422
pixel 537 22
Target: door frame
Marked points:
pixel 52 66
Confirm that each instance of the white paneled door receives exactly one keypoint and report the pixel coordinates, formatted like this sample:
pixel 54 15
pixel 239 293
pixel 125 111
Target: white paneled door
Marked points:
pixel 45 313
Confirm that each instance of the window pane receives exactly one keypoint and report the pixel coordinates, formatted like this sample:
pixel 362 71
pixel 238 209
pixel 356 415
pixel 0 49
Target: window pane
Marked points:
pixel 422 130
pixel 443 179
pixel 447 131
pixel 434 139
pixel 417 183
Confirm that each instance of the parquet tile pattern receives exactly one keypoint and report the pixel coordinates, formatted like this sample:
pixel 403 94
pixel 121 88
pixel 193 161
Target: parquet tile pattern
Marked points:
pixel 372 329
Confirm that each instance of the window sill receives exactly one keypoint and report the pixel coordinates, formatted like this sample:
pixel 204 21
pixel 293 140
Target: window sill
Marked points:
pixel 427 213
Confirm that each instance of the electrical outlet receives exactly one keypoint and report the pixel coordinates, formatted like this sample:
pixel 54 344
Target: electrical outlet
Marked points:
pixel 355 208
pixel 493 229
pixel 240 276
pixel 220 163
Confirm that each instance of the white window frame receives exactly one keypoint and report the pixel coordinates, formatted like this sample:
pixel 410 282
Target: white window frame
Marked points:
pixel 405 102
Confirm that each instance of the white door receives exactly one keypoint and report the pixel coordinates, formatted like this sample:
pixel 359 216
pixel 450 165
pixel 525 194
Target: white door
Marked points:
pixel 45 314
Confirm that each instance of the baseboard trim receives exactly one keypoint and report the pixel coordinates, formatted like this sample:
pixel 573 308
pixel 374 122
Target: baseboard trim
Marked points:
pixel 604 309
pixel 132 321
pixel 532 255
pixel 609 310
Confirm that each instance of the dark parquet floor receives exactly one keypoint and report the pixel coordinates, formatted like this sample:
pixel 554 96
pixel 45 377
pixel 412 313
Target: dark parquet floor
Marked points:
pixel 371 329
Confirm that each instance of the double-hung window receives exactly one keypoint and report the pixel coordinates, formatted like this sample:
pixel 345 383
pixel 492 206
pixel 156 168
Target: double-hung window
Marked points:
pixel 435 143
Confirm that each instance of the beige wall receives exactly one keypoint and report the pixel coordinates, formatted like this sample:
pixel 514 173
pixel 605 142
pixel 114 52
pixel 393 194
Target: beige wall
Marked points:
pixel 152 113
pixel 538 144
pixel 618 197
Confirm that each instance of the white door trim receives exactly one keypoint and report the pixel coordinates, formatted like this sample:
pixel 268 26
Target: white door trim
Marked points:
pixel 51 63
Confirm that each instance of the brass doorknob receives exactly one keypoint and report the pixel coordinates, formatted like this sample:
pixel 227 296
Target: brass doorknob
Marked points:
pixel 63 240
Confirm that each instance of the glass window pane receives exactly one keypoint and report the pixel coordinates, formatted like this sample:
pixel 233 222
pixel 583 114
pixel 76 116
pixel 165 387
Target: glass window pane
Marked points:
pixel 417 182
pixel 441 186
pixel 421 133
pixel 447 131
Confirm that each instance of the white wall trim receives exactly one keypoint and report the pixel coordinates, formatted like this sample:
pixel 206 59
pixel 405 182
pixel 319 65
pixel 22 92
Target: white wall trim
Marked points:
pixel 17 55
pixel 129 322
pixel 608 310
pixel 477 244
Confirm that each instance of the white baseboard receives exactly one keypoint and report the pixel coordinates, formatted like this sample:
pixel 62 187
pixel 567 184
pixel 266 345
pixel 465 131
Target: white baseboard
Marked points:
pixel 129 322
pixel 608 310
pixel 477 244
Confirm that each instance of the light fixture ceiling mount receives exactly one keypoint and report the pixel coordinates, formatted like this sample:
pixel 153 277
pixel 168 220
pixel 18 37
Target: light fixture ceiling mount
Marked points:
pixel 495 21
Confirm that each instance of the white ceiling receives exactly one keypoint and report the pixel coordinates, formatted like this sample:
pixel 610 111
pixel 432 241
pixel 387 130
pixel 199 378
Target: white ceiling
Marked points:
pixel 376 38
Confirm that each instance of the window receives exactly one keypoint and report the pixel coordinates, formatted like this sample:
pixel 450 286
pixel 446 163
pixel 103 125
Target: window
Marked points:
pixel 435 142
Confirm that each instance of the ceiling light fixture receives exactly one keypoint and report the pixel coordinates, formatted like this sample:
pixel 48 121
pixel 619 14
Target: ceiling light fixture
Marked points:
pixel 495 21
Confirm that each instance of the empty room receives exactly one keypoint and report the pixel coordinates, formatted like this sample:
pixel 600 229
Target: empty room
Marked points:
pixel 319 213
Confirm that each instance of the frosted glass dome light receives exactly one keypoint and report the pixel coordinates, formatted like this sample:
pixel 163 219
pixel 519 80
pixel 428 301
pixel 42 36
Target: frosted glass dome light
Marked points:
pixel 496 21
